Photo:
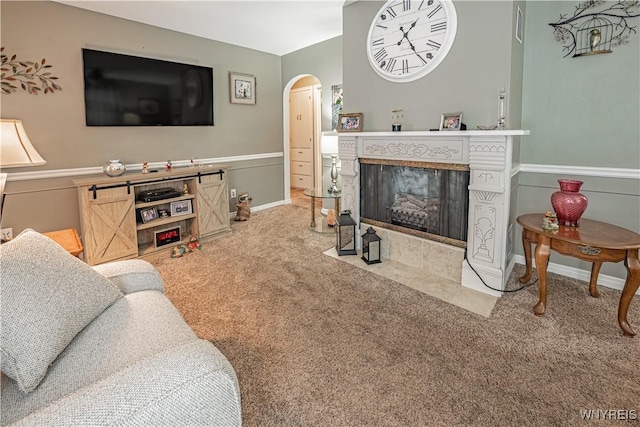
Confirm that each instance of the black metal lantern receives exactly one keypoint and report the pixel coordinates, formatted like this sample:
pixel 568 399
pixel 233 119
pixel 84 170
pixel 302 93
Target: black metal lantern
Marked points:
pixel 371 247
pixel 346 235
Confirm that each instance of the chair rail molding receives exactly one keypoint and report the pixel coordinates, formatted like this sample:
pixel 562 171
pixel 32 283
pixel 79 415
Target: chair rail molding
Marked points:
pixel 581 170
pixel 60 173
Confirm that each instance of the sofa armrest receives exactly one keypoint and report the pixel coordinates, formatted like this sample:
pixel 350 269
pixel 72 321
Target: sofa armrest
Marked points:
pixel 132 275
pixel 192 384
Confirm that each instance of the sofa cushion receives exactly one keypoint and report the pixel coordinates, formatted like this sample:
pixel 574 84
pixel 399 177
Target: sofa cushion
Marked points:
pixel 131 330
pixel 48 296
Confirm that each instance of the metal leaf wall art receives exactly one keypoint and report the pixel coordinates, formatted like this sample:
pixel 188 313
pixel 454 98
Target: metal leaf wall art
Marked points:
pixel 33 77
pixel 596 26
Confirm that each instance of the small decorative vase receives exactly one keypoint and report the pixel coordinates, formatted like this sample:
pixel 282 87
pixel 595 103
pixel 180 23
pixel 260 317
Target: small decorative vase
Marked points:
pixel 569 203
pixel 114 168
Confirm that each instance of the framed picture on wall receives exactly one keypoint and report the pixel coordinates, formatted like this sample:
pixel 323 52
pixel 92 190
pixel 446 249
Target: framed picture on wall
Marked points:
pixel 451 121
pixel 242 88
pixel 351 122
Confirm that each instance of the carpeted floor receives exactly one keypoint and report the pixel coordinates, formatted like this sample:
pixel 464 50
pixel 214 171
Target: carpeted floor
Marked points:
pixel 317 342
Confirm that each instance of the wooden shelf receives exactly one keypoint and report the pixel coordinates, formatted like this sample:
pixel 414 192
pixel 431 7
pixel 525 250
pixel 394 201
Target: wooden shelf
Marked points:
pixel 164 221
pixel 164 201
pixel 149 248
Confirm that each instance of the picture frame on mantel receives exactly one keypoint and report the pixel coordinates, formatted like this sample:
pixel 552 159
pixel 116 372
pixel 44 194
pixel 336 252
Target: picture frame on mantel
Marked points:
pixel 351 122
pixel 451 121
pixel 242 88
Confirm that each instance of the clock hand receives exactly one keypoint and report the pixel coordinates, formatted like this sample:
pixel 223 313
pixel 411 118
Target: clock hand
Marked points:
pixel 413 48
pixel 405 35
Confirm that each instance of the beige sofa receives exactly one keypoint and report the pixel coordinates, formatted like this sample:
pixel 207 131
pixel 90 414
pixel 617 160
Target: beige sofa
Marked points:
pixel 101 346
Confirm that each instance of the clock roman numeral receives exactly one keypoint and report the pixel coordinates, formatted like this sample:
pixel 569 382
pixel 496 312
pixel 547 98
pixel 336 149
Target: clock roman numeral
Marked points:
pixel 405 66
pixel 391 12
pixel 421 3
pixel 406 5
pixel 390 65
pixel 433 44
pixel 434 11
pixel 378 42
pixel 380 55
pixel 438 27
pixel 382 26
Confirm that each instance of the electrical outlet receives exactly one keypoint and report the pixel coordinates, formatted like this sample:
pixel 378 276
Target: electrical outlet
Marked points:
pixel 6 234
pixel 233 193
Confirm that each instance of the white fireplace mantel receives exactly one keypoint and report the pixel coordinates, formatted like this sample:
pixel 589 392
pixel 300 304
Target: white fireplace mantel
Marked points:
pixel 489 155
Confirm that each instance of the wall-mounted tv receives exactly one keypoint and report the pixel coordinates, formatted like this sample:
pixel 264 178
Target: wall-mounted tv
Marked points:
pixel 124 90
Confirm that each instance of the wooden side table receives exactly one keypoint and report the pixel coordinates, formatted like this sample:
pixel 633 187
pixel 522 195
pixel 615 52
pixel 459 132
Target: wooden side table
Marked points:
pixel 592 241
pixel 68 239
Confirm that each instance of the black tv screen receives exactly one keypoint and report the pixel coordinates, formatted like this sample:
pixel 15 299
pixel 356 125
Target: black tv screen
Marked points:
pixel 123 90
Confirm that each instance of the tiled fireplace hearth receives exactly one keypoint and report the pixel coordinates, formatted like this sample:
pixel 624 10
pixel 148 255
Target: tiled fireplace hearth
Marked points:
pixel 489 157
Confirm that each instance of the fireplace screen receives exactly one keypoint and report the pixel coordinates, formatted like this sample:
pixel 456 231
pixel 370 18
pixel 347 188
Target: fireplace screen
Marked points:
pixel 419 200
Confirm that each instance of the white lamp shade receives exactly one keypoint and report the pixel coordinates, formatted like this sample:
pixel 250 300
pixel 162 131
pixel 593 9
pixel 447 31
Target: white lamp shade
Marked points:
pixel 329 143
pixel 15 148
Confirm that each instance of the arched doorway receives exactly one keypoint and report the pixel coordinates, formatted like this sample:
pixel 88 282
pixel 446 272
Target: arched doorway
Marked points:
pixel 311 84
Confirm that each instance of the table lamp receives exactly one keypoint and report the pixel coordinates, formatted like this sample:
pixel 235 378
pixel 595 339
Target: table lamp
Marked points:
pixel 329 145
pixel 15 151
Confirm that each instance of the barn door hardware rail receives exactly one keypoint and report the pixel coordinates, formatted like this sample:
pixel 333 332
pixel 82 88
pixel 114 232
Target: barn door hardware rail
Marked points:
pixel 94 188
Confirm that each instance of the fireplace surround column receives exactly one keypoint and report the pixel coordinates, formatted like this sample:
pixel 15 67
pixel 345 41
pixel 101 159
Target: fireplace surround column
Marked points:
pixel 489 155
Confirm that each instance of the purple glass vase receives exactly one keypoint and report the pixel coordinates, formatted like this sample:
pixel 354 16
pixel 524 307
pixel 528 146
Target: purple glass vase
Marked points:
pixel 568 203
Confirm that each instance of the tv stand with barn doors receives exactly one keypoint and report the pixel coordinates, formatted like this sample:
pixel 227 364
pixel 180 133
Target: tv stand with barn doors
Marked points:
pixel 116 224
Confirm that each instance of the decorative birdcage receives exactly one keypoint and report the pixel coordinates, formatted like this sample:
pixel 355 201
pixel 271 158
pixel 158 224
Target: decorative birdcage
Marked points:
pixel 594 37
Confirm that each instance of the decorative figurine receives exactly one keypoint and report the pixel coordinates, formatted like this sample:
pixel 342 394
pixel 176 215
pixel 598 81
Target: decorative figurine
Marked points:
pixel 163 213
pixel 194 244
pixel 178 252
pixel 331 217
pixel 168 165
pixel 244 207
pixel 550 221
pixel 145 167
pixel 185 189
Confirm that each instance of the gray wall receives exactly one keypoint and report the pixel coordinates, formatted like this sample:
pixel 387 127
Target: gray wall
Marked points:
pixel 56 123
pixel 583 115
pixel 322 60
pixel 468 80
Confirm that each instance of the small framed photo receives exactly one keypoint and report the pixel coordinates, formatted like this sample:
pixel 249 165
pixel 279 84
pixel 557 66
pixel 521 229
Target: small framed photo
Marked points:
pixel 181 207
pixel 242 88
pixel 351 122
pixel 149 214
pixel 451 121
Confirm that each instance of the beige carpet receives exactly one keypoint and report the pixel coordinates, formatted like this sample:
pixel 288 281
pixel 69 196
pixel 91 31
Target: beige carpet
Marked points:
pixel 316 342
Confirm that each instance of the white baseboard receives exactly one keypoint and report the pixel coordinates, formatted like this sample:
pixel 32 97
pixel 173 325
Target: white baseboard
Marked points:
pixel 576 273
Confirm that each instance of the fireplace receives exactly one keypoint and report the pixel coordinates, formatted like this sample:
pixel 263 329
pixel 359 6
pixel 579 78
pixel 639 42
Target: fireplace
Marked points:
pixel 428 200
pixel 474 172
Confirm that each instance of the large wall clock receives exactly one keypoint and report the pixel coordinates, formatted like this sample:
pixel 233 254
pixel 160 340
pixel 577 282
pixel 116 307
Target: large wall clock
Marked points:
pixel 409 38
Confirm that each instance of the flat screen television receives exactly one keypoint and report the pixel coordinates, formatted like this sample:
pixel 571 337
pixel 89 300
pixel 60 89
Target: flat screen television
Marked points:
pixel 124 90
